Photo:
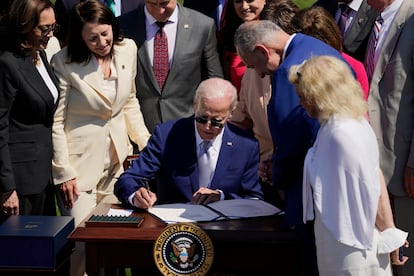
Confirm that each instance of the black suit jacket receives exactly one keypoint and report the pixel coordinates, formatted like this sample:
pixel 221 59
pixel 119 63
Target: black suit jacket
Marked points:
pixel 356 39
pixel 63 8
pixel 195 59
pixel 27 108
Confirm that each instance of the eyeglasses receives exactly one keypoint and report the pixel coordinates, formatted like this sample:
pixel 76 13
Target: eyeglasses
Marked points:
pixel 215 122
pixel 46 29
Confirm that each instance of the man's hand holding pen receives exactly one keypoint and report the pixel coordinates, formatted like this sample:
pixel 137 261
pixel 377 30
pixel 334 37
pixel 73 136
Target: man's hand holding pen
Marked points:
pixel 144 198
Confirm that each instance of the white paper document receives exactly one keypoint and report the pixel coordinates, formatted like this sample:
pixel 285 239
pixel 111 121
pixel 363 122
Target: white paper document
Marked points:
pixel 119 212
pixel 224 209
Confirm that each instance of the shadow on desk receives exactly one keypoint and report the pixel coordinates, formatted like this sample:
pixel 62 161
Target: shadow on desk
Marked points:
pixel 253 246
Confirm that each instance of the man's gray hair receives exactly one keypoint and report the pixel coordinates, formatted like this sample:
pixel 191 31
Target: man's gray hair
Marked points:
pixel 214 88
pixel 249 34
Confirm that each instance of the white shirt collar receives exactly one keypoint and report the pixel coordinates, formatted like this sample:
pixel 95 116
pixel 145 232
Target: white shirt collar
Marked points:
pixel 390 11
pixel 355 4
pixel 151 20
pixel 287 46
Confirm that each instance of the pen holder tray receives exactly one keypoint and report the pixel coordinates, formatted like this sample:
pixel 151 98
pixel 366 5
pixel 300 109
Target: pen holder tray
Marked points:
pixel 113 221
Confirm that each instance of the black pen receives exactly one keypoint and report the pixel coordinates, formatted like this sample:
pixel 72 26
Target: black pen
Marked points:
pixel 146 182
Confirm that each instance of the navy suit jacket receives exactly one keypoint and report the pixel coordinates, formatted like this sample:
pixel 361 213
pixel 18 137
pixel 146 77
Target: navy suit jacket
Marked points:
pixel 170 157
pixel 27 108
pixel 293 131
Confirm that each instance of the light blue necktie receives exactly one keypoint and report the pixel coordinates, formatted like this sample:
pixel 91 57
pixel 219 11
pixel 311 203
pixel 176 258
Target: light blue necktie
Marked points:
pixel 204 164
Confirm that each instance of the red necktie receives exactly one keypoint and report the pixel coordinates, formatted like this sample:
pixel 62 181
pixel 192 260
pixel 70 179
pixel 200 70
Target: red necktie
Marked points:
pixel 160 62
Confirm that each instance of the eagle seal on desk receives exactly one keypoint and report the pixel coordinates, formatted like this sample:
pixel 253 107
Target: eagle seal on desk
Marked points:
pixel 183 249
pixel 183 252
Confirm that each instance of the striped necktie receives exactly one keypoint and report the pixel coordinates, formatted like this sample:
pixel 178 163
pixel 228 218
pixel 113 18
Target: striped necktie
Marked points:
pixel 370 58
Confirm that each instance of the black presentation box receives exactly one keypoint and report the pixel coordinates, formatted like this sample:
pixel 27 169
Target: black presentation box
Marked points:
pixel 33 241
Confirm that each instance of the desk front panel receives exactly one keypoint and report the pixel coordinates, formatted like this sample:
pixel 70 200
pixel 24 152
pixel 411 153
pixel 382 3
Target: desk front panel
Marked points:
pixel 247 246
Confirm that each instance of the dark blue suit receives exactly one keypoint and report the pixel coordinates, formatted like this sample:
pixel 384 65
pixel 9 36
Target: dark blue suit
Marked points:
pixel 293 133
pixel 170 157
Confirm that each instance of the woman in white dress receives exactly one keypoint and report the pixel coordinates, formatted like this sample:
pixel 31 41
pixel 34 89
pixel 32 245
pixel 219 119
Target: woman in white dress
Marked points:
pixel 343 188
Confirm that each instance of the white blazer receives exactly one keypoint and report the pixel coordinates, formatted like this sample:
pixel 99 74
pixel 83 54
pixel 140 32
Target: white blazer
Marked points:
pixel 85 117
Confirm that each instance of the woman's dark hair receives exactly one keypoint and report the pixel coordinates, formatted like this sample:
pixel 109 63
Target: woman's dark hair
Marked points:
pixel 231 22
pixel 18 24
pixel 89 11
pixel 280 12
pixel 319 23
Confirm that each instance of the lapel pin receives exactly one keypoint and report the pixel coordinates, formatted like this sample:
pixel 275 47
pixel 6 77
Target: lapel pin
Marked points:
pixel 186 26
pixel 229 143
pixel 361 20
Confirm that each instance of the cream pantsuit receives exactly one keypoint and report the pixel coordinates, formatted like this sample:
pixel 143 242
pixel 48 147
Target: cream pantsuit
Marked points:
pixel 88 124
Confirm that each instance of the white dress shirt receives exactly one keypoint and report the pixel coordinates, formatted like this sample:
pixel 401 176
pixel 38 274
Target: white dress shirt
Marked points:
pixel 41 68
pixel 387 15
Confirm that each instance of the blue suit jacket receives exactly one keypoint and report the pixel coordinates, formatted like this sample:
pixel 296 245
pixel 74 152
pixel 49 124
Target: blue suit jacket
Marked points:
pixel 293 131
pixel 170 157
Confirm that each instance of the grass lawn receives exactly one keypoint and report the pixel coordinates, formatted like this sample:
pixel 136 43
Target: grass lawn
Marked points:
pixel 304 3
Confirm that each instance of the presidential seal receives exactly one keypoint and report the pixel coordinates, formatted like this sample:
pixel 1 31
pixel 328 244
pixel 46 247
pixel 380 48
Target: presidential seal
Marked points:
pixel 183 249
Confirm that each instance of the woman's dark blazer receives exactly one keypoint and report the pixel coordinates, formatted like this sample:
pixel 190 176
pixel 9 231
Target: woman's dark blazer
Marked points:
pixel 26 117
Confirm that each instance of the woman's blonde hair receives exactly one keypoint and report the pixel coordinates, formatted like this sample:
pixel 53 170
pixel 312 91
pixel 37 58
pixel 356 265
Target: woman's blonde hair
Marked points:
pixel 328 86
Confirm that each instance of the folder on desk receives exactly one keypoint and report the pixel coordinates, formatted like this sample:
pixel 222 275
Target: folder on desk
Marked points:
pixel 219 210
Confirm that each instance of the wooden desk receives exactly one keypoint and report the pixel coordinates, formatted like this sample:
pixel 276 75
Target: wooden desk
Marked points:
pixel 254 246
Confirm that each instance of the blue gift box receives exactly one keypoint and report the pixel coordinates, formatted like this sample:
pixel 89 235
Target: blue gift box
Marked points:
pixel 33 241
